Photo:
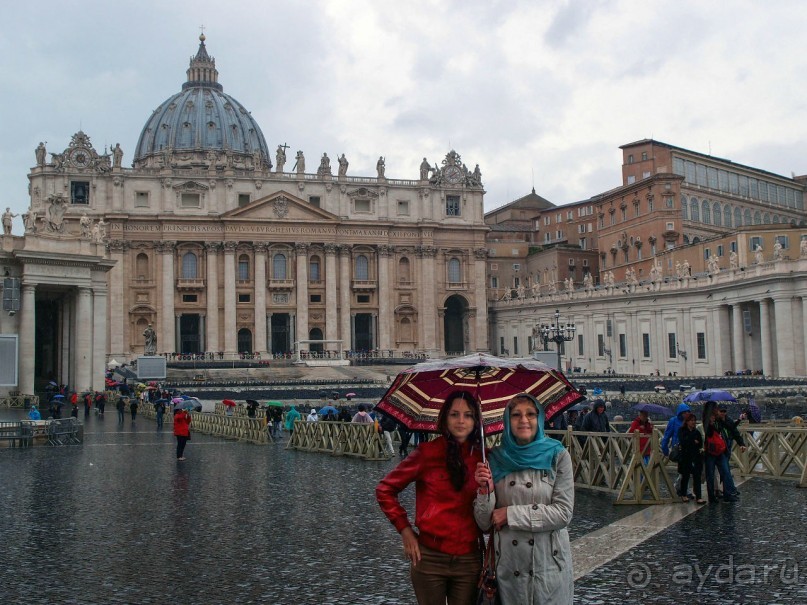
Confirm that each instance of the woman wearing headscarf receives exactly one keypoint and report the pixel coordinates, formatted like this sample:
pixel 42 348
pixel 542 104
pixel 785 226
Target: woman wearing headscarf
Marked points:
pixel 444 553
pixel 530 508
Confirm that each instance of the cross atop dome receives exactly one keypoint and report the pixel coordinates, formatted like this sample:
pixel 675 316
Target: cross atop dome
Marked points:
pixel 202 71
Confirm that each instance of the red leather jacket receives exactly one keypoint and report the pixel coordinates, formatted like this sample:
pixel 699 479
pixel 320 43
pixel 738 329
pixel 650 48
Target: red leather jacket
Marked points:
pixel 444 516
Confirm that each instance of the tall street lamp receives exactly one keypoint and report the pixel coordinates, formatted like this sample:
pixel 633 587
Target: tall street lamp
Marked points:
pixel 557 333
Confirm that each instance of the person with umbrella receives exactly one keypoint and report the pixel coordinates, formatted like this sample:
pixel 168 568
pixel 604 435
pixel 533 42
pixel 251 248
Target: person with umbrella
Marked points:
pixel 716 457
pixel 671 433
pixel 159 408
pixel 527 496
pixel 121 407
pixel 252 407
pixel 182 430
pixel 444 554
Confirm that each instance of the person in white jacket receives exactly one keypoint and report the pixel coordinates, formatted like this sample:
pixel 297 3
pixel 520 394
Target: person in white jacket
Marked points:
pixel 527 495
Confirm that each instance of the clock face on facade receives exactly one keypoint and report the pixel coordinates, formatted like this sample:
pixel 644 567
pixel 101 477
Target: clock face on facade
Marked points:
pixel 453 174
pixel 80 158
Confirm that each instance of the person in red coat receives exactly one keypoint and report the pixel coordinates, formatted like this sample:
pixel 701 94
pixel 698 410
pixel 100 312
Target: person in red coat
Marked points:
pixel 182 431
pixel 641 424
pixel 444 552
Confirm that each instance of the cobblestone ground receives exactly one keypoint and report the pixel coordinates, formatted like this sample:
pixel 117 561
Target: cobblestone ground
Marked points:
pixel 118 520
pixel 752 552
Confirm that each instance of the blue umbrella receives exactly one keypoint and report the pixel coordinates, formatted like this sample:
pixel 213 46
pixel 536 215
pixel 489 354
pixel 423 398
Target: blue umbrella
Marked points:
pixel 709 395
pixel 327 409
pixel 187 404
pixel 58 397
pixel 653 408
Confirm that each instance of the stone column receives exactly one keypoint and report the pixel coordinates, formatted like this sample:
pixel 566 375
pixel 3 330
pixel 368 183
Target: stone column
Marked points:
pixel 385 294
pixel 117 301
pixel 230 334
pixel 738 337
pixel 212 292
pixel 167 339
pixel 302 293
pixel 785 351
pixel 804 328
pixel 765 337
pixel 84 339
pixel 480 343
pixel 99 323
pixel 260 297
pixel 25 381
pixel 331 309
pixel 345 318
pixel 428 305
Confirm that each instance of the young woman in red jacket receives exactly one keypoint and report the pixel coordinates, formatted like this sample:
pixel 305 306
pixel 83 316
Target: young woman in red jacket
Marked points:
pixel 444 553
pixel 182 431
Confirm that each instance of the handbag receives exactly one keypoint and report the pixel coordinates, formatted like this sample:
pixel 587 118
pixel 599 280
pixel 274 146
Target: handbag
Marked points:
pixel 675 452
pixel 715 444
pixel 488 583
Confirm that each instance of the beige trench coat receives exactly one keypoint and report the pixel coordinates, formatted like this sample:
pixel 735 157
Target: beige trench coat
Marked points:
pixel 533 555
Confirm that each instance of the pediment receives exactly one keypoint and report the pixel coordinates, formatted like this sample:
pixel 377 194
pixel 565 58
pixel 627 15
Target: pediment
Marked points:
pixel 280 206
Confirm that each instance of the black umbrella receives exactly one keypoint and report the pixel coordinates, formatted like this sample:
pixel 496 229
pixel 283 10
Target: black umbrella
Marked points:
pixel 653 408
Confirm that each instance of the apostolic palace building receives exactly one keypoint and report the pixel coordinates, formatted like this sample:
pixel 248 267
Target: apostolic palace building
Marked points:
pixel 224 245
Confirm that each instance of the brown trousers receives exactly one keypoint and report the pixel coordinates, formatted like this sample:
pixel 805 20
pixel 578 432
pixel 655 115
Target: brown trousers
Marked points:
pixel 440 578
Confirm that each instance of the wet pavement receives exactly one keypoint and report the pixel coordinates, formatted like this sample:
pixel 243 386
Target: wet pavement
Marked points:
pixel 119 520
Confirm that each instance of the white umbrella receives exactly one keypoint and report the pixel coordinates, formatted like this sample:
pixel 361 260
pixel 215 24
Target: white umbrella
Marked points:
pixel 113 364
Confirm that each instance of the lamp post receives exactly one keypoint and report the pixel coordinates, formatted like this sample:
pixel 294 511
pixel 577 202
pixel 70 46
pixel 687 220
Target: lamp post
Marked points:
pixel 557 333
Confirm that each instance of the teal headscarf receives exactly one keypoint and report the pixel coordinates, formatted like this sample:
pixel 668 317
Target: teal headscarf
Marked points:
pixel 540 454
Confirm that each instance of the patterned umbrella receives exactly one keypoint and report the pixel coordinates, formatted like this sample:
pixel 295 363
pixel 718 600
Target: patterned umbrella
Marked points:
pixel 416 395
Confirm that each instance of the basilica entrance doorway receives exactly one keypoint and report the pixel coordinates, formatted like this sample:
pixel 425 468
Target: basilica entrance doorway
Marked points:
pixel 280 330
pixel 189 333
pixel 363 330
pixel 454 325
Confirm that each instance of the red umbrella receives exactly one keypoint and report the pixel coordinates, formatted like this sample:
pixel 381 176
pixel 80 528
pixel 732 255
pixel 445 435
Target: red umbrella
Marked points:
pixel 417 393
pixel 228 402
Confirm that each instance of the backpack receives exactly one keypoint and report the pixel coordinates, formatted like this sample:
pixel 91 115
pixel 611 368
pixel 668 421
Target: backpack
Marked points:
pixel 715 444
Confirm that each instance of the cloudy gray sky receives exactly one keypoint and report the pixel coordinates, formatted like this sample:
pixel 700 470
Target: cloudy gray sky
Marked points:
pixel 540 91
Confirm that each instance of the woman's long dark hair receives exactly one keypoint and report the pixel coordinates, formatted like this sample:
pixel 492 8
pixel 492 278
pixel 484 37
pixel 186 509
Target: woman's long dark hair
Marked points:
pixel 456 465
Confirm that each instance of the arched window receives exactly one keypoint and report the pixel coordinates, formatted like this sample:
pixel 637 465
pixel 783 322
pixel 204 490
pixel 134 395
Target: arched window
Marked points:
pixel 189 265
pixel 747 217
pixel 706 212
pixel 776 219
pixel 694 210
pixel 684 208
pixel 362 268
pixel 717 215
pixel 738 217
pixel 243 267
pixel 454 271
pixel 727 215
pixel 244 340
pixel 142 266
pixel 686 239
pixel 279 266
pixel 314 273
pixel 404 270
pixel 766 218
pixel 406 330
pixel 757 218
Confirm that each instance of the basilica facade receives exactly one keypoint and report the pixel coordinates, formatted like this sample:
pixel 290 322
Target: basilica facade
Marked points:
pixel 224 246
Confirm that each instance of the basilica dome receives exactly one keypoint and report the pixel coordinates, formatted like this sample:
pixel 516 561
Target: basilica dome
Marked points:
pixel 202 126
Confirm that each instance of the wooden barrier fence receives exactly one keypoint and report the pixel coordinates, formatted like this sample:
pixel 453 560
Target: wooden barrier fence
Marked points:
pixel 19 401
pixel 359 440
pixel 252 430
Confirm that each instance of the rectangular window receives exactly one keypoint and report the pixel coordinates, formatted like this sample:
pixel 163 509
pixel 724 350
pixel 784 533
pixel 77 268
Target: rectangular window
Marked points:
pixel 190 200
pixel 600 346
pixel 315 298
pixel 569 215
pixel 733 246
pixel 700 171
pixel 244 298
pixel 516 267
pixel 189 298
pixel 501 345
pixel 723 180
pixel 609 328
pixel 720 249
pixel 630 158
pixel 403 207
pixel 631 180
pixel 361 206
pixel 646 174
pixel 452 205
pixel 79 192
pixel 700 337
pixel 494 282
pixel 623 345
pixel 644 156
pixel 678 166
pixel 783 241
pixel 707 253
pixel 646 345
pixel 315 200
pixel 650 205
pixel 753 242
pixel 672 348
pixel 313 271
pixel 243 200
pixel 363 298
pixel 141 199
pixel 580 345
pixel 744 186
pixel 690 175
pixel 734 183
pixel 754 188
pixel 613 218
pixel 515 345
